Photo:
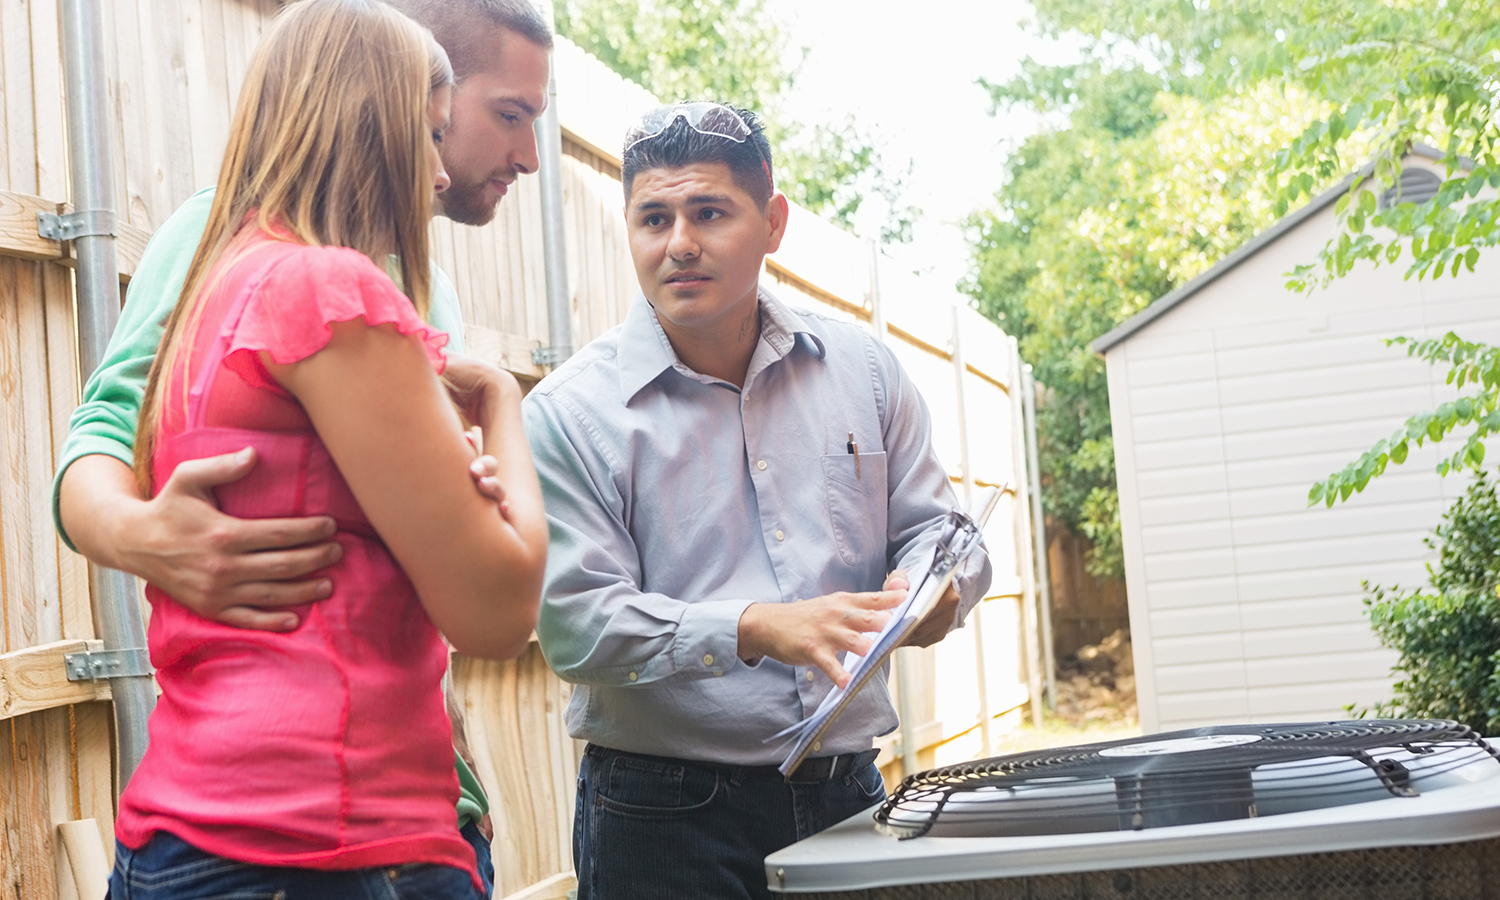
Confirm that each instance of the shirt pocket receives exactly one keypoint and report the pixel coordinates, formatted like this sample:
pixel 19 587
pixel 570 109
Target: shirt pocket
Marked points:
pixel 856 494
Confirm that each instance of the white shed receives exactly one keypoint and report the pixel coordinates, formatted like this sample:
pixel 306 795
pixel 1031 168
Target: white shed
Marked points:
pixel 1229 397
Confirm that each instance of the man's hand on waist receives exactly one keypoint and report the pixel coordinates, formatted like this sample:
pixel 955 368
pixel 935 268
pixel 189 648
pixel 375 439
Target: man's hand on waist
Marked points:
pixel 816 632
pixel 241 572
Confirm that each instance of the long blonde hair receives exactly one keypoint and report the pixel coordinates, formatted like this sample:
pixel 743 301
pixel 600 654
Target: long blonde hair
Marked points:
pixel 329 142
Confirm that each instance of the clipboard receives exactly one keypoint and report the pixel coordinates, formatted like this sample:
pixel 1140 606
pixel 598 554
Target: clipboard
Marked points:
pixel 960 538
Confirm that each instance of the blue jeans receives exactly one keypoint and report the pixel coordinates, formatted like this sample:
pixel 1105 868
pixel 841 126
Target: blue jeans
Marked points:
pixel 169 868
pixel 470 832
pixel 661 829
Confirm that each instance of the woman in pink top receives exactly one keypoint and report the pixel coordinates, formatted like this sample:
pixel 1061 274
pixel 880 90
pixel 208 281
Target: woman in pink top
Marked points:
pixel 318 763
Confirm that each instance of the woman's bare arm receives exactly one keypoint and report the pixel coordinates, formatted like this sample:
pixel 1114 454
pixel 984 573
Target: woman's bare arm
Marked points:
pixel 389 425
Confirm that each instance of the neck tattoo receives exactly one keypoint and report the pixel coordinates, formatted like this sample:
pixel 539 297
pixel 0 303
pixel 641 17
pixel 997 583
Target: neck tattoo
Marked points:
pixel 747 324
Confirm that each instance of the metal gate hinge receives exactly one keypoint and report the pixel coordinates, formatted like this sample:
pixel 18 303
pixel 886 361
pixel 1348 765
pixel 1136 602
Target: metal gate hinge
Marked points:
pixel 93 665
pixel 74 225
pixel 548 356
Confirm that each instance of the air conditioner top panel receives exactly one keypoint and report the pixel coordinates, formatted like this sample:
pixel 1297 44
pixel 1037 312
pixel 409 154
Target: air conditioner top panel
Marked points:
pixel 854 855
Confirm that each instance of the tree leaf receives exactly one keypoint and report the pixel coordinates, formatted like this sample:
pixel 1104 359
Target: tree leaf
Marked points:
pixel 1315 494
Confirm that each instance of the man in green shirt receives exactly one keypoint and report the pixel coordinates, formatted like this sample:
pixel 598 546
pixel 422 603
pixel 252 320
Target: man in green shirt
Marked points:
pixel 247 572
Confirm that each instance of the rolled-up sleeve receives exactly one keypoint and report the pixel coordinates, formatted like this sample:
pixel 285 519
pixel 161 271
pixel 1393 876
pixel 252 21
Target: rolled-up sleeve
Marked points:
pixel 920 492
pixel 596 625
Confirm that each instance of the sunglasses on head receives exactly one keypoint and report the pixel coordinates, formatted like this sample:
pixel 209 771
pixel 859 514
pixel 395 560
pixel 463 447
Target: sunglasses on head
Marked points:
pixel 702 116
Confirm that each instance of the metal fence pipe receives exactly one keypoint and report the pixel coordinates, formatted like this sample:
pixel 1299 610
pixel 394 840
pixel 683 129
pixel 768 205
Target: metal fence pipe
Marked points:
pixel 98 285
pixel 554 230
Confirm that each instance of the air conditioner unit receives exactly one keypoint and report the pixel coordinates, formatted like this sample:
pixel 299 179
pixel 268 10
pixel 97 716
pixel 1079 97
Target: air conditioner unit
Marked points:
pixel 1386 809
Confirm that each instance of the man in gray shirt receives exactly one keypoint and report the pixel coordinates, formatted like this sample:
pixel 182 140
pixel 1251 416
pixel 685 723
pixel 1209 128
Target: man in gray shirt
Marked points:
pixel 733 488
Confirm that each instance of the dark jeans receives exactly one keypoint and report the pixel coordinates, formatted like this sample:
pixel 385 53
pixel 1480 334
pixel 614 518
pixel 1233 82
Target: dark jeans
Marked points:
pixel 169 868
pixel 470 832
pixel 660 829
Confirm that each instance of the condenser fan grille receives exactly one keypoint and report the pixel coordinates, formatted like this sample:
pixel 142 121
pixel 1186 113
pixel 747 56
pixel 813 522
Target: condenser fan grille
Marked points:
pixel 1187 777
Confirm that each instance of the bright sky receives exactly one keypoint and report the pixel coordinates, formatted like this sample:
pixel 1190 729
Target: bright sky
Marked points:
pixel 907 72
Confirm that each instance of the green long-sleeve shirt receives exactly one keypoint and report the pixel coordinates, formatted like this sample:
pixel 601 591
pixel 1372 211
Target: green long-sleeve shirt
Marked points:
pixel 105 421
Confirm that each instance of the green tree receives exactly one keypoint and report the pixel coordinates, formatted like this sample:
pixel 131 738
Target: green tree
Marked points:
pixel 1137 189
pixel 736 51
pixel 1381 75
pixel 1393 72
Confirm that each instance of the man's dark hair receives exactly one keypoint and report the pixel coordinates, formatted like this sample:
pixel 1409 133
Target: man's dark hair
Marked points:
pixel 460 25
pixel 680 145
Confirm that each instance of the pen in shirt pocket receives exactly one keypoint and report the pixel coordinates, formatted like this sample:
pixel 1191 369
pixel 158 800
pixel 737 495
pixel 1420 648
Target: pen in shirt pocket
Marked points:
pixel 853 449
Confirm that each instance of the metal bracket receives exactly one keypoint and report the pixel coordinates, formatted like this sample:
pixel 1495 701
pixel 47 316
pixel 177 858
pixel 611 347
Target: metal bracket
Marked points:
pixel 547 356
pixel 86 223
pixel 94 665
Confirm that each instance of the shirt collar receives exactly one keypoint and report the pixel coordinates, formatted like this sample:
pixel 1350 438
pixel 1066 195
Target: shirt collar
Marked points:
pixel 644 351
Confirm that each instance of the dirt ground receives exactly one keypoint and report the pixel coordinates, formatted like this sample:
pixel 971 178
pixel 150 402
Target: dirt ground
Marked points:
pixel 1095 700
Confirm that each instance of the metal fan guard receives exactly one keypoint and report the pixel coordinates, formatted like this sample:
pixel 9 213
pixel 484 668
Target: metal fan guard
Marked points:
pixel 1204 776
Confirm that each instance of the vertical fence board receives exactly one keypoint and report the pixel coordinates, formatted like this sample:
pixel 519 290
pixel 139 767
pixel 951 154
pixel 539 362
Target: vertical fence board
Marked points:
pixel 463 281
pixel 62 796
pixel 5 116
pixel 441 252
pixel 62 381
pixel 167 109
pixel 33 821
pixel 10 850
pixel 20 121
pixel 36 440
pixel 47 95
pixel 113 14
pixel 494 291
pixel 487 691
pixel 146 202
pixel 532 692
pixel 92 736
pixel 562 761
pixel 15 543
pixel 513 709
pixel 205 89
pixel 238 17
pixel 527 307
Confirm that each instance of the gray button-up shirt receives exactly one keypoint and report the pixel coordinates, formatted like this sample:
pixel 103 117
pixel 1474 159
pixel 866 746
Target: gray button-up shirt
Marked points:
pixel 675 500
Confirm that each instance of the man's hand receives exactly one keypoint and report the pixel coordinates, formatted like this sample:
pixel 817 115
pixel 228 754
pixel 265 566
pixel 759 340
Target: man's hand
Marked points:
pixel 477 387
pixel 938 623
pixel 484 470
pixel 240 572
pixel 817 631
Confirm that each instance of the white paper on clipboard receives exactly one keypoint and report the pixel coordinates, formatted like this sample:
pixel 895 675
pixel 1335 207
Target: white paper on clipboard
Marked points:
pixel 960 537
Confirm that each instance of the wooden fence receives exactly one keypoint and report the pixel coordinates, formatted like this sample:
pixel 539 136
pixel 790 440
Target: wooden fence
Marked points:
pixel 175 68
pixel 1085 609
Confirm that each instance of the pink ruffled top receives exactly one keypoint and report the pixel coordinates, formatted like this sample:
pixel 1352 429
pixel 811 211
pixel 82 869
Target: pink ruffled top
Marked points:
pixel 328 747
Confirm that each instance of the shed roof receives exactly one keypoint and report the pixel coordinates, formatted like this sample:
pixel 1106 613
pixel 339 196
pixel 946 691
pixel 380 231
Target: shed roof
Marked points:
pixel 1286 223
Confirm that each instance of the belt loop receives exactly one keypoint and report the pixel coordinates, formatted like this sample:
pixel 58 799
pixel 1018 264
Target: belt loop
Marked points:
pixel 833 767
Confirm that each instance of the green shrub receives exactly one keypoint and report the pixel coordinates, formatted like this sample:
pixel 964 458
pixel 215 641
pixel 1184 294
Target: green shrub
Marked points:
pixel 1448 634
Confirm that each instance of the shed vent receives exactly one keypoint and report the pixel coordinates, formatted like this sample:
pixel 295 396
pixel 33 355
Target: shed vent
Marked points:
pixel 1415 186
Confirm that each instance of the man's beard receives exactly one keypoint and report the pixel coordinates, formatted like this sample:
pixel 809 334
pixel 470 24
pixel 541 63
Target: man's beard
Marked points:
pixel 465 203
